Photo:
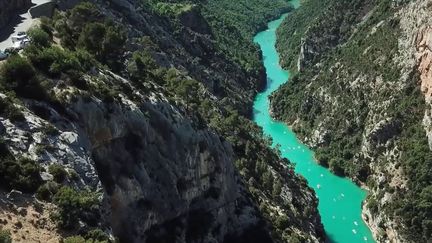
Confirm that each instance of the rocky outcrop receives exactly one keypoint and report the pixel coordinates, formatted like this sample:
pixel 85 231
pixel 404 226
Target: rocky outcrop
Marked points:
pixel 423 44
pixel 10 9
pixel 305 55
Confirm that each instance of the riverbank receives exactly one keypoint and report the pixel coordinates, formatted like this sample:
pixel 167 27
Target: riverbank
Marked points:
pixel 340 199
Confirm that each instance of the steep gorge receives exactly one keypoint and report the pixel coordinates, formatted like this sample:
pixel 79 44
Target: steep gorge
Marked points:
pixel 361 99
pixel 133 125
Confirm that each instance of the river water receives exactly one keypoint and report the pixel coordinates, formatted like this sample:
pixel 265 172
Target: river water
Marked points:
pixel 339 199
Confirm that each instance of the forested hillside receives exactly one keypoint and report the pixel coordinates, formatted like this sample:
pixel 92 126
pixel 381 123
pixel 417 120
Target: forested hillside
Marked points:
pixel 127 120
pixel 233 23
pixel 360 97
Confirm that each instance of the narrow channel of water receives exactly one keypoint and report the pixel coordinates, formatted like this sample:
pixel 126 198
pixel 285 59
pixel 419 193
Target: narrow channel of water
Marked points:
pixel 339 199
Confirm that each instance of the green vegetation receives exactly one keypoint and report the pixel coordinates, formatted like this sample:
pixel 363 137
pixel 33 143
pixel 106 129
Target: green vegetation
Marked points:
pixel 90 41
pixel 234 34
pixel 19 75
pixel 254 157
pixel 40 37
pixel 93 236
pixel 171 9
pixel 316 22
pixel 294 27
pixel 5 236
pixel 47 191
pixel 74 239
pixel 233 24
pixel 59 173
pixel 366 57
pixel 414 206
pixel 10 111
pixel 22 174
pixel 346 131
pixel 74 206
pixel 84 27
pixel 54 61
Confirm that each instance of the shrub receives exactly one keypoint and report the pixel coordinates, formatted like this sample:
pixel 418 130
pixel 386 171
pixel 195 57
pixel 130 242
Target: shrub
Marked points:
pixel 17 72
pixel 282 222
pixel 47 191
pixel 97 235
pixel 46 25
pixel 19 75
pixel 75 205
pixel 73 175
pixel 22 174
pixel 50 130
pixel 53 60
pixel 9 110
pixel 74 239
pixel 58 172
pixel 337 166
pixel 91 38
pixel 93 236
pixel 104 41
pixel 5 236
pixel 39 37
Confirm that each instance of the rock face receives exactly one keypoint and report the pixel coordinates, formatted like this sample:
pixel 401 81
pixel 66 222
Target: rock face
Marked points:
pixel 162 177
pixel 423 43
pixel 162 174
pixel 158 169
pixel 367 101
pixel 10 9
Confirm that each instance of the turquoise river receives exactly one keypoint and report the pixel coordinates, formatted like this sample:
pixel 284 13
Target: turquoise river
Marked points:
pixel 339 199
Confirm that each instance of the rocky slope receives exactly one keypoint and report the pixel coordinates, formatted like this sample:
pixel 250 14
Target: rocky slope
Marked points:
pixel 10 9
pixel 364 105
pixel 138 134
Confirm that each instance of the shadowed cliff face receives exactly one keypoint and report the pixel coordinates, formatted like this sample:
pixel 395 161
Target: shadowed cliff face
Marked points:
pixel 161 156
pixel 156 167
